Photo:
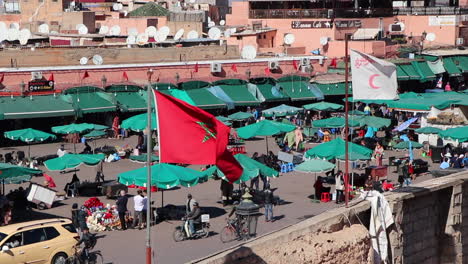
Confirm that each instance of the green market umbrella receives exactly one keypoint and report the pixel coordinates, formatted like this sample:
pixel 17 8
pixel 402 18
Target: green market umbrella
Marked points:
pixel 315 165
pixel 457 133
pixel 239 116
pixel 405 145
pixel 281 110
pixel 428 130
pixel 356 112
pixel 323 106
pixel 223 119
pixel 95 134
pixel 143 158
pixel 10 173
pixel 29 135
pixel 372 121
pixel 138 123
pixel 353 156
pixel 334 122
pixel 77 128
pixel 264 128
pixel 71 161
pixel 250 164
pixel 335 148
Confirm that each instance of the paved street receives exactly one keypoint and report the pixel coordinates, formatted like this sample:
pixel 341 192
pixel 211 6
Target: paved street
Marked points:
pixel 124 247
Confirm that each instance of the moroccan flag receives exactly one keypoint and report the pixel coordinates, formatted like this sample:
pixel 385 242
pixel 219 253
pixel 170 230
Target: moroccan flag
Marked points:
pixel 125 76
pixel 85 75
pixel 51 78
pixel 267 71
pixel 295 65
pixel 373 78
pixel 189 135
pixel 333 63
pixel 195 69
pixel 234 67
pixel 2 78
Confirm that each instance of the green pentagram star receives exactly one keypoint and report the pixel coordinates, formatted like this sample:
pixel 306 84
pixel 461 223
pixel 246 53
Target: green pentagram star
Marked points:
pixel 208 133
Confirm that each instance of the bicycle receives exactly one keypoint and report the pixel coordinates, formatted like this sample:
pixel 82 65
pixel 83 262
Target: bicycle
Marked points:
pixel 233 232
pixel 94 257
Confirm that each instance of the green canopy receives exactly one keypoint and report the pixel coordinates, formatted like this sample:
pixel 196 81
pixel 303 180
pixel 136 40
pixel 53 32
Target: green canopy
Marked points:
pixel 203 98
pixel 239 94
pixel 164 176
pixel 139 122
pixel 179 94
pixel 35 107
pixel 239 116
pixel 334 122
pixel 451 67
pixel 163 86
pixel 299 90
pixel 29 135
pixel 131 101
pixel 353 156
pixel 251 169
pixel 457 133
pixel 356 112
pixel 90 99
pixel 323 106
pixel 223 118
pixel 9 171
pixel 335 148
pixel 77 128
pixel 334 88
pixel 143 158
pixel 315 165
pixel 428 130
pixel 95 134
pixel 372 121
pixel 71 161
pixel 405 145
pixel 269 89
pixel 281 110
pixel 264 128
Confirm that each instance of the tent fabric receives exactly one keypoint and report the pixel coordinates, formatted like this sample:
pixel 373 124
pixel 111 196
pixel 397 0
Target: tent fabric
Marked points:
pixel 293 78
pixel 264 128
pixel 179 94
pixel 70 161
pixel 333 88
pixel 238 116
pixel 29 135
pixel 240 95
pixel 90 99
pixel 130 101
pixel 365 33
pixel 221 95
pixel 35 107
pixel 230 82
pixel 193 85
pixel 297 90
pixel 315 166
pixel 123 88
pixel 335 148
pixel 73 128
pixel 437 66
pixel 323 106
pixel 401 74
pixel 139 122
pixel 458 133
pixel 203 98
pixel 461 62
pixel 270 90
pixel 410 71
pixel 451 67
pixel 428 130
pixel 424 71
pixel 334 122
pixel 163 86
pixel 8 171
pixel 405 145
pixel 281 110
pixel 372 121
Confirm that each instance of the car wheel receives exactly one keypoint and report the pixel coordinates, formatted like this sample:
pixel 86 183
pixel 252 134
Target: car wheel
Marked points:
pixel 60 258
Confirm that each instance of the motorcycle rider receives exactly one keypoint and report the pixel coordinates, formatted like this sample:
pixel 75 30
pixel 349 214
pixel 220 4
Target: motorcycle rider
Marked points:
pixel 89 241
pixel 193 217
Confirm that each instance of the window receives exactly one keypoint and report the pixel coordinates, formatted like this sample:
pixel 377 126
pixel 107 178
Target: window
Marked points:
pixel 15 240
pixel 12 7
pixel 51 233
pixel 33 236
pixel 2 236
pixel 70 228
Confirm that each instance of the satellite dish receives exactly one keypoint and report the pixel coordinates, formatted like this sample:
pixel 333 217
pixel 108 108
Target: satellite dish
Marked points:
pixel 14 25
pixel 233 30
pixel 13 34
pixel 142 39
pixel 115 30
pixel 179 34
pixel 77 27
pixel 120 6
pixel 430 37
pixel 211 24
pixel 117 6
pixel 192 34
pixel 131 40
pixel 160 37
pixel 164 31
pixel 84 61
pixel 53 32
pixel 323 41
pixel 289 39
pixel 24 36
pixel 227 33
pixel 97 59
pixel 151 31
pixel 192 1
pixel 3 25
pixel 83 30
pixel 104 30
pixel 132 32
pixel 249 52
pixel 222 22
pixel 43 28
pixel 214 33
pixel 3 34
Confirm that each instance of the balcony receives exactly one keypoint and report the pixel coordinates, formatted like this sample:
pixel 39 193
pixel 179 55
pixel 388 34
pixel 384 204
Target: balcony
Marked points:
pixel 430 11
pixel 319 13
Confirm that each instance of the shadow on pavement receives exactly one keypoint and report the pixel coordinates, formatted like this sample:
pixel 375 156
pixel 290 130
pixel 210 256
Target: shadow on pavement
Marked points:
pixel 252 258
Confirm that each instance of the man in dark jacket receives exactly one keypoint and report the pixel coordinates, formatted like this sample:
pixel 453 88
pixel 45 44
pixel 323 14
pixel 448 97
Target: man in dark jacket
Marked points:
pixel 122 208
pixel 194 216
pixel 268 204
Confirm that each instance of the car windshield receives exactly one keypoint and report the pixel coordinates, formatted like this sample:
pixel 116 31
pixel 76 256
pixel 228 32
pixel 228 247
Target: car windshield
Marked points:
pixel 2 236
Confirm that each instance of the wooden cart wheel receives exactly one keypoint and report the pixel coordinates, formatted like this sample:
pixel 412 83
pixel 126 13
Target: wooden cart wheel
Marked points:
pixel 41 206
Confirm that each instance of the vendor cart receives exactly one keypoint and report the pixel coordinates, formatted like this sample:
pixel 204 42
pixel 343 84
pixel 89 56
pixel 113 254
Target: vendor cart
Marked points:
pixel 42 196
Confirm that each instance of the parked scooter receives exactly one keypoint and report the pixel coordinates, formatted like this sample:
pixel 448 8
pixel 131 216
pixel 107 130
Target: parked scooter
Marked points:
pixel 202 229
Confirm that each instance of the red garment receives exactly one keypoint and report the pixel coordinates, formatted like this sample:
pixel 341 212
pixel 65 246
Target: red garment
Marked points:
pixel 189 135
pixel 50 181
pixel 116 123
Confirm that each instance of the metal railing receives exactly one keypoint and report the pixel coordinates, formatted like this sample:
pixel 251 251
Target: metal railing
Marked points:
pixel 423 11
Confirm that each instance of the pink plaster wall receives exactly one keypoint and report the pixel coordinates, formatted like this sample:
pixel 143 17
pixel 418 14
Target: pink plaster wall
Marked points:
pixel 140 23
pixel 415 25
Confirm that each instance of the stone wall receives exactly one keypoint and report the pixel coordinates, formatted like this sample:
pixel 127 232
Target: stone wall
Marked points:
pixel 431 226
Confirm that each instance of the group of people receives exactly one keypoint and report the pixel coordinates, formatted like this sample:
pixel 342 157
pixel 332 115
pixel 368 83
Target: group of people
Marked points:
pixel 457 161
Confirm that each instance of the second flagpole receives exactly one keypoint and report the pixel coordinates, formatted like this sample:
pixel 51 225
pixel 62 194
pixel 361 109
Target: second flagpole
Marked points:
pixel 148 167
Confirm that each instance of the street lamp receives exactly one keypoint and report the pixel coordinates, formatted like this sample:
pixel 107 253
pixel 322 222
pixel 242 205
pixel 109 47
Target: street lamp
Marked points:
pixel 149 92
pixel 22 86
pixel 103 81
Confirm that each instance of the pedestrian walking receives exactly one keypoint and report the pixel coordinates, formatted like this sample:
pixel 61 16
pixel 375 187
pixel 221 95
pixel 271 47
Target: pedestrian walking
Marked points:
pixel 339 186
pixel 138 206
pixel 122 208
pixel 268 204
pixel 99 172
pixel 378 153
pixel 406 174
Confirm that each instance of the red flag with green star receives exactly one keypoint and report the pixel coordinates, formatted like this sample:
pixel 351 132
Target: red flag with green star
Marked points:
pixel 189 135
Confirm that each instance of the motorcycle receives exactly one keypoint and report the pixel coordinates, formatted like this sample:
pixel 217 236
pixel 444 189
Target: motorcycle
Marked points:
pixel 202 229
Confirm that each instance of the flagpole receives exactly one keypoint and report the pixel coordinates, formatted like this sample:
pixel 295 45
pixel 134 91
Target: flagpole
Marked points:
pixel 346 178
pixel 148 168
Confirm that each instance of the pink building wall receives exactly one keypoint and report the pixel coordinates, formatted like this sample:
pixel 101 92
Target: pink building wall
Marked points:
pixel 140 23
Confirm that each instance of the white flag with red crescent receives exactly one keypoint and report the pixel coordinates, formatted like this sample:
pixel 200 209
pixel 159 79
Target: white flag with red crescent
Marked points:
pixel 373 78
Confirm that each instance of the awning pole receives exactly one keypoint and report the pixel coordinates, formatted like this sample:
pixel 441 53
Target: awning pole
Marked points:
pixel 346 120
